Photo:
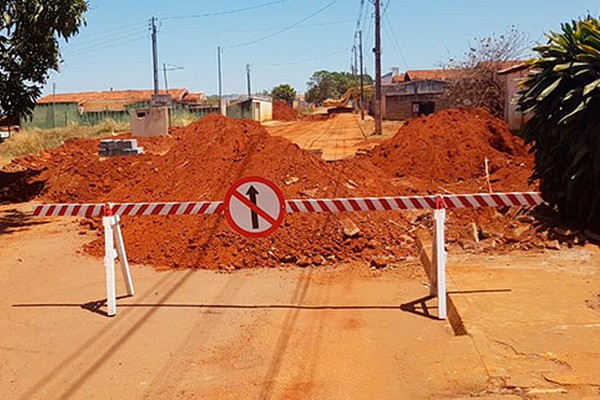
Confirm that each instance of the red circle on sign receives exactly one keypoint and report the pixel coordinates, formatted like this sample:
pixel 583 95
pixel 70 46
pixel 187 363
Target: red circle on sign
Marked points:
pixel 274 222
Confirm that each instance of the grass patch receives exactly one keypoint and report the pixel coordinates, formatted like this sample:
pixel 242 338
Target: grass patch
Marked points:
pixel 181 120
pixel 34 141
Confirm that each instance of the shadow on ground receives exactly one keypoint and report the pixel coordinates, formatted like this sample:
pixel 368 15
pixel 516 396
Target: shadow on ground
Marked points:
pixel 13 221
pixel 21 186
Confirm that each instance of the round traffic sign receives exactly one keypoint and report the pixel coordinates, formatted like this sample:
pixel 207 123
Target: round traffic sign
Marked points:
pixel 254 207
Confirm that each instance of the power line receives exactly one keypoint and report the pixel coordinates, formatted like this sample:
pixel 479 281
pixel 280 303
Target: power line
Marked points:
pixel 106 32
pixel 258 29
pixel 286 28
pixel 395 42
pixel 107 38
pixel 127 39
pixel 321 57
pixel 228 12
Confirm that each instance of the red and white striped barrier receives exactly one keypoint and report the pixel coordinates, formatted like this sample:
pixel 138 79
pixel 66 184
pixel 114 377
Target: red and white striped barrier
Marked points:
pixel 414 202
pixel 301 205
pixel 127 209
pixel 115 248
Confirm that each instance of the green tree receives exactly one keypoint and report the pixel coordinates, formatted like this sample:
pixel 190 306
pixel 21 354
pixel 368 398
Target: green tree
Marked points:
pixel 284 92
pixel 325 85
pixel 29 34
pixel 562 95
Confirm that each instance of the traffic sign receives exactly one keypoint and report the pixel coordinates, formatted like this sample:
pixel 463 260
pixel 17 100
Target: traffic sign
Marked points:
pixel 254 207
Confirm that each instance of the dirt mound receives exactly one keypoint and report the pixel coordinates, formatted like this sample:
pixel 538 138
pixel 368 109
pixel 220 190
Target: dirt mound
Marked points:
pixel 283 112
pixel 445 153
pixel 442 153
pixel 450 146
pixel 200 162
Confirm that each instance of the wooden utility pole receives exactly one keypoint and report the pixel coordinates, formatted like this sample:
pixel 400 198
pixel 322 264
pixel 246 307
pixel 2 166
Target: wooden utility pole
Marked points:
pixel 362 78
pixel 220 80
pixel 355 68
pixel 377 103
pixel 248 79
pixel 166 82
pixel 154 55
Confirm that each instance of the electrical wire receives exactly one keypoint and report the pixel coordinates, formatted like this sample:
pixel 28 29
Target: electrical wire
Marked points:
pixel 395 42
pixel 127 39
pixel 309 60
pixel 263 38
pixel 258 29
pixel 78 43
pixel 228 12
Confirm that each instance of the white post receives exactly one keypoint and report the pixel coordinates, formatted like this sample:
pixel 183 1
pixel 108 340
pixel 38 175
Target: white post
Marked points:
pixel 122 256
pixel 109 266
pixel 439 262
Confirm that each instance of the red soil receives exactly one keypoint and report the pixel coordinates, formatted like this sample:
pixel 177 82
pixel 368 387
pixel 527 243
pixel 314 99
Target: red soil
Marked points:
pixel 442 152
pixel 199 163
pixel 450 146
pixel 283 112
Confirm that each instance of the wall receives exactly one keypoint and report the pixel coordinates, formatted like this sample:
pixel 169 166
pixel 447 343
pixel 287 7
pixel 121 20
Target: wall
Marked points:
pixel 397 101
pixel 45 116
pixel 400 107
pixel 514 118
pixel 151 121
pixel 257 110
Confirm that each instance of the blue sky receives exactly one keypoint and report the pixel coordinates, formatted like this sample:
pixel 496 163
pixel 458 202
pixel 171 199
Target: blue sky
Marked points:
pixel 114 49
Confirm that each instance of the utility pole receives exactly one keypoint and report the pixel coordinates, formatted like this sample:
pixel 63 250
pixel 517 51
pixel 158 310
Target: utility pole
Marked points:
pixel 220 81
pixel 54 104
pixel 377 103
pixel 355 66
pixel 362 78
pixel 169 67
pixel 166 82
pixel 248 79
pixel 154 55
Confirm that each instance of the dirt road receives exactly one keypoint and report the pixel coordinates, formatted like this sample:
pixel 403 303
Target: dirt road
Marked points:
pixel 265 334
pixel 337 137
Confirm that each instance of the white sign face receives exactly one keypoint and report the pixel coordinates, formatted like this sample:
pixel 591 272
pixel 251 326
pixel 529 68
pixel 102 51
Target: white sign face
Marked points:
pixel 254 207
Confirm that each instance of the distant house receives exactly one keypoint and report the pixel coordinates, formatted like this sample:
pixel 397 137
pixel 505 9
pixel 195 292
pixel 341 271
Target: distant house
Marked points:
pixel 416 92
pixel 422 92
pixel 58 110
pixel 512 74
pixel 257 108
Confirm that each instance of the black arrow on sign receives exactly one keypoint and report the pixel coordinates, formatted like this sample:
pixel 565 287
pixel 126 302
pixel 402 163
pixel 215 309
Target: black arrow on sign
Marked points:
pixel 252 192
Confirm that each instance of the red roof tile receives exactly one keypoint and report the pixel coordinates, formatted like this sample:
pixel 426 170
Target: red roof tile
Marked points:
pixel 123 96
pixel 433 74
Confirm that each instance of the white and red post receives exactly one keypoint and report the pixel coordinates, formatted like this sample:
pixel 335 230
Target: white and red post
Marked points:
pixel 112 237
pixel 438 254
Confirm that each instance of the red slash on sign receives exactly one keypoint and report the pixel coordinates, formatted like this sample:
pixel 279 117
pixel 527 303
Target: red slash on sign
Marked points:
pixel 254 207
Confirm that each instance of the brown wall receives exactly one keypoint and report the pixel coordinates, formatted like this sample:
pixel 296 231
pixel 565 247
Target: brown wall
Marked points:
pixel 401 107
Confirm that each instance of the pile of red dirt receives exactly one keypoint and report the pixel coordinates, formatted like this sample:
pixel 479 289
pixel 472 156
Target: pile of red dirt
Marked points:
pixel 445 153
pixel 451 146
pixel 441 153
pixel 200 162
pixel 283 112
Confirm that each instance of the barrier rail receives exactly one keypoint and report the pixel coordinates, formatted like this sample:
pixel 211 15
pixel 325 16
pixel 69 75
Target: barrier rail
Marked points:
pixel 115 247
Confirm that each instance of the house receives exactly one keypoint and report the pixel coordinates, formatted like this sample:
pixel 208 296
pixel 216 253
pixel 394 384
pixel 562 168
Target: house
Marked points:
pixel 512 74
pixel 90 108
pixel 416 92
pixel 257 108
pixel 422 92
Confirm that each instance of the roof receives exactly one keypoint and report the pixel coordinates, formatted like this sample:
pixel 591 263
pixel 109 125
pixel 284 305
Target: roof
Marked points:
pixel 500 65
pixel 193 97
pixel 106 105
pixel 431 74
pixel 122 96
pixel 518 67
